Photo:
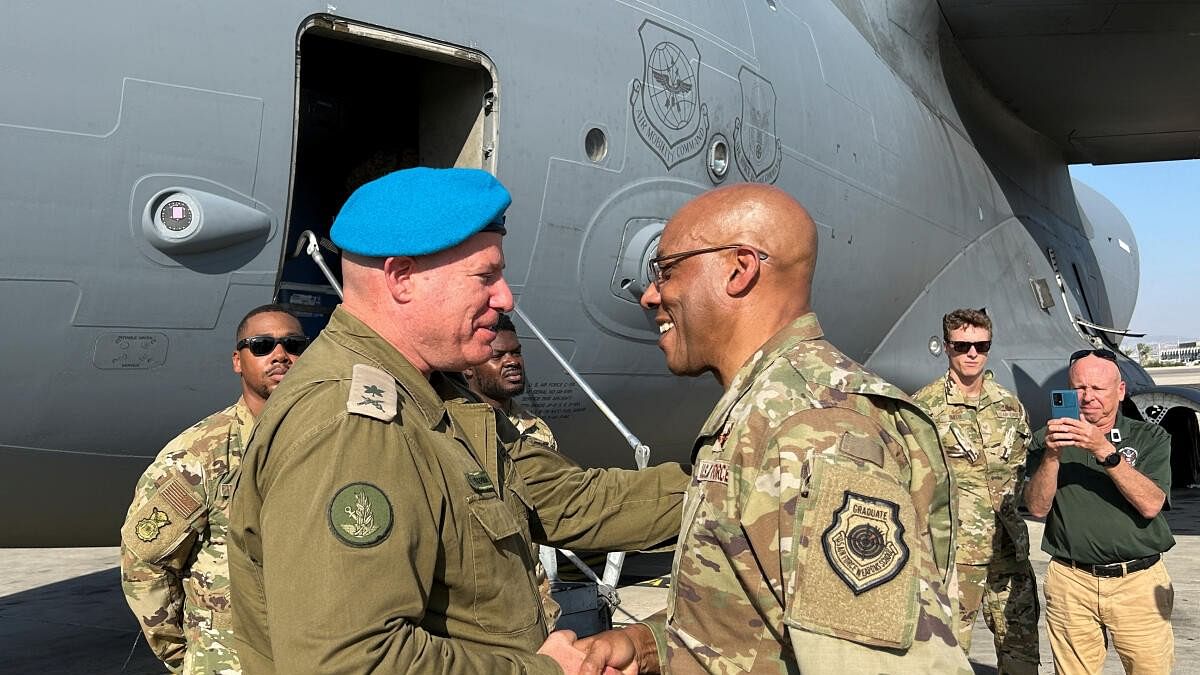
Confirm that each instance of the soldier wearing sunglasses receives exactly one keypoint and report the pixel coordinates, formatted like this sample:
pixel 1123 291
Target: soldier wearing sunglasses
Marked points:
pixel 985 432
pixel 174 568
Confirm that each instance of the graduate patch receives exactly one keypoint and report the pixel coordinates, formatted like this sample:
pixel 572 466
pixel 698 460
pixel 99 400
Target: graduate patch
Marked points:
pixel 865 544
pixel 712 471
pixel 360 515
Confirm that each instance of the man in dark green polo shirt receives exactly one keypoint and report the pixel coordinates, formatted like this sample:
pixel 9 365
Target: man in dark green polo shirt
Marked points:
pixel 1101 482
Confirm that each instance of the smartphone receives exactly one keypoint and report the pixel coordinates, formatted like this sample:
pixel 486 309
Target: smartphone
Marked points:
pixel 1064 403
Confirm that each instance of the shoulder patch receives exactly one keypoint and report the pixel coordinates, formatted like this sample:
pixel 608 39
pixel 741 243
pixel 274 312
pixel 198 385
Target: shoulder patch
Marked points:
pixel 179 498
pixel 360 515
pixel 372 393
pixel 865 543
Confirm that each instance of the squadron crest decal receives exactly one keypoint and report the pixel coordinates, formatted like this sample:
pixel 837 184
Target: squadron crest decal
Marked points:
pixel 665 103
pixel 865 544
pixel 756 149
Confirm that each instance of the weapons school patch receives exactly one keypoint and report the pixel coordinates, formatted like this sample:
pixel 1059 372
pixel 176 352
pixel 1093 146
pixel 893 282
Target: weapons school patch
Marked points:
pixel 360 515
pixel 149 527
pixel 712 471
pixel 372 393
pixel 865 544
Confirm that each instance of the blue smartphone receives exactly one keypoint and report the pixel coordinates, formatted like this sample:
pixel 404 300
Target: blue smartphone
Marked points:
pixel 1064 403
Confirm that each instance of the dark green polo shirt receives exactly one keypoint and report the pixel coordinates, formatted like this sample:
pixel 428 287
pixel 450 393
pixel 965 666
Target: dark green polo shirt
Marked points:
pixel 1090 520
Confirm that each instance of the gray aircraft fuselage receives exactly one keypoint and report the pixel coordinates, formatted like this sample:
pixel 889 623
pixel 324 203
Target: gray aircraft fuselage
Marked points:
pixel 161 160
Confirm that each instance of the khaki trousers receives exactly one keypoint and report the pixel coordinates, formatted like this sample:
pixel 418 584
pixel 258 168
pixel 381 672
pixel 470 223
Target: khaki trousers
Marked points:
pixel 1082 611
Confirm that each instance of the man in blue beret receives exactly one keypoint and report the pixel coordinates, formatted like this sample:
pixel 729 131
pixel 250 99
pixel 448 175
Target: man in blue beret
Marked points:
pixel 385 518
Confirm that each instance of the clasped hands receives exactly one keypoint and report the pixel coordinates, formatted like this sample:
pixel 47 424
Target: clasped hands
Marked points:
pixel 613 652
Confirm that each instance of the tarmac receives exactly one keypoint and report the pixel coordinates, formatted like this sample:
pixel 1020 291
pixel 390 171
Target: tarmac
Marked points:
pixel 61 610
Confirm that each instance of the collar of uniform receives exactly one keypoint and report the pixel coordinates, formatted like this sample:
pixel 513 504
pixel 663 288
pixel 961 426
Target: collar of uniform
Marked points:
pixel 245 418
pixel 987 395
pixel 350 332
pixel 803 329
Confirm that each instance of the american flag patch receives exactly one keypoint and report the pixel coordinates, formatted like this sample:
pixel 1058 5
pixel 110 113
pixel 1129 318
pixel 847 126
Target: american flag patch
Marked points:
pixel 179 498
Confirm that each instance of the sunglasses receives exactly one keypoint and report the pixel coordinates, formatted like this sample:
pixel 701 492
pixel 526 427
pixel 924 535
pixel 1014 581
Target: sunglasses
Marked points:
pixel 1106 354
pixel 658 269
pixel 261 345
pixel 963 346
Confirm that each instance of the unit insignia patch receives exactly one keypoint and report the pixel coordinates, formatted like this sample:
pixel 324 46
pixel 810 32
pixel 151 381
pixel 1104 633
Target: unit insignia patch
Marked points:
pixel 360 515
pixel 865 544
pixel 149 527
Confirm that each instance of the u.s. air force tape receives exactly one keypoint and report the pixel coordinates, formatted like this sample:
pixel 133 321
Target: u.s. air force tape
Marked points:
pixel 360 515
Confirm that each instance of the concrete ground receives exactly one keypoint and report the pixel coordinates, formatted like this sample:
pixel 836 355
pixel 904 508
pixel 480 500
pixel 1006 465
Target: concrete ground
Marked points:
pixel 61 610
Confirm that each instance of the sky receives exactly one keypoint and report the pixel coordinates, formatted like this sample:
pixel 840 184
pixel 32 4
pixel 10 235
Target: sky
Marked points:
pixel 1161 200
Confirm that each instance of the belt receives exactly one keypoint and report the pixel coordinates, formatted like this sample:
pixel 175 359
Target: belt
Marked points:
pixel 1113 569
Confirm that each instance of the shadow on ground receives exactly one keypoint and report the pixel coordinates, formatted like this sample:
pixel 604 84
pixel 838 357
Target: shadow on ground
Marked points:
pixel 73 626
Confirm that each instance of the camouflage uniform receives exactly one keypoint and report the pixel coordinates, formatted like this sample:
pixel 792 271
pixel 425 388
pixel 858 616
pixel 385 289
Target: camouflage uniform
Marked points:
pixel 533 427
pixel 817 532
pixel 174 568
pixel 986 440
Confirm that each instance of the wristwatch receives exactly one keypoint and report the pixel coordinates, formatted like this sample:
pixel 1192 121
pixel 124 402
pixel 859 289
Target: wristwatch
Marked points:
pixel 1111 461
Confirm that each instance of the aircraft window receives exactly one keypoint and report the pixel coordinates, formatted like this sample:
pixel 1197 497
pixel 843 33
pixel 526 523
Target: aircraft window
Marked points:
pixel 718 158
pixel 596 144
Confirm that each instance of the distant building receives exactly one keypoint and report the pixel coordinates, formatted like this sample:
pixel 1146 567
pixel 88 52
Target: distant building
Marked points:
pixel 1184 352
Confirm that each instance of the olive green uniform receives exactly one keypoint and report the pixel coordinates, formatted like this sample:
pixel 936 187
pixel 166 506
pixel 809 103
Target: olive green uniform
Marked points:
pixel 985 440
pixel 818 531
pixel 383 522
pixel 174 564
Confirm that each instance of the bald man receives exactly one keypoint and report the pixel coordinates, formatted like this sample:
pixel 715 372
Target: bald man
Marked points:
pixel 1102 482
pixel 817 531
pixel 384 516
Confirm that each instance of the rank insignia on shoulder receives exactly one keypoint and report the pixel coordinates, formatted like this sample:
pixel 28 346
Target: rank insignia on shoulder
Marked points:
pixel 149 527
pixel 372 393
pixel 865 544
pixel 360 515
pixel 480 482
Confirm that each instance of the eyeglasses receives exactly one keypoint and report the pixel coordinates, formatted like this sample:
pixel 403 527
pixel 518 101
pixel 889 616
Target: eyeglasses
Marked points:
pixel 658 272
pixel 963 346
pixel 261 345
pixel 1106 354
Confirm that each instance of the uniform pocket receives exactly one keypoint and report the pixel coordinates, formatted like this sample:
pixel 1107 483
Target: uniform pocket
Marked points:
pixel 505 598
pixel 857 577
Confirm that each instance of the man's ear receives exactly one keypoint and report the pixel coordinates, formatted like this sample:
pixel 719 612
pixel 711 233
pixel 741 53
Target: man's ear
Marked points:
pixel 398 274
pixel 237 362
pixel 744 273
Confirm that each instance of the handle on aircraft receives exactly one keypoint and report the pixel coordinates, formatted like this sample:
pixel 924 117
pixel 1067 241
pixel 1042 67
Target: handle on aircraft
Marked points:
pixel 312 246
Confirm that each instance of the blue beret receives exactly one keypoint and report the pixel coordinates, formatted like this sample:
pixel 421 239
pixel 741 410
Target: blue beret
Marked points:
pixel 420 211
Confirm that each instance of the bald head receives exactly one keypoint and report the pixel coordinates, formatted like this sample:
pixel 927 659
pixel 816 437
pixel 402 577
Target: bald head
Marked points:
pixel 1098 383
pixel 736 267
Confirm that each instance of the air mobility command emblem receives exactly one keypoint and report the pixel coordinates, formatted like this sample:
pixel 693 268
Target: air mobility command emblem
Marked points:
pixel 865 544
pixel 148 528
pixel 360 515
pixel 665 103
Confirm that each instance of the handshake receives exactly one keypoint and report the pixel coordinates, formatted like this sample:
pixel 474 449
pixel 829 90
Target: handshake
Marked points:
pixel 624 651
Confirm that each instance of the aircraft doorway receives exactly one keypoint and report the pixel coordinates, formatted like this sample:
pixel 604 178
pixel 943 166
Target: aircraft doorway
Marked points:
pixel 370 101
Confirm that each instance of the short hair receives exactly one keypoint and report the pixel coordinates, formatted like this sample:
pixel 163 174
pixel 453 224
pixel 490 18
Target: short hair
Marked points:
pixel 263 309
pixel 960 318
pixel 505 323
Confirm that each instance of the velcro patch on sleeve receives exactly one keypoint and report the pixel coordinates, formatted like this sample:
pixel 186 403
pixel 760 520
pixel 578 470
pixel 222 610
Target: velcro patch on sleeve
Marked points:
pixel 179 497
pixel 857 577
pixel 862 449
pixel 372 393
